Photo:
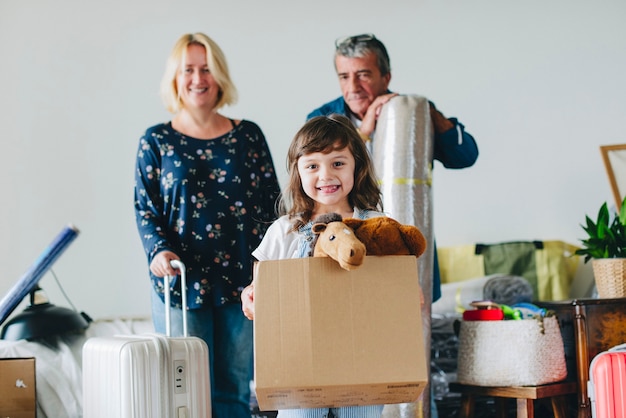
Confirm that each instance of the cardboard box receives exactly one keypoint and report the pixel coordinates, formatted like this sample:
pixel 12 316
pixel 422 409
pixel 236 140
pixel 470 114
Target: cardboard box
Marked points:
pixel 17 388
pixel 328 337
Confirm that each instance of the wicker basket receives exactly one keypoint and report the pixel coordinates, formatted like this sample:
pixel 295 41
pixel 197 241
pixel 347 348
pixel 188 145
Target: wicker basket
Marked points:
pixel 511 353
pixel 610 277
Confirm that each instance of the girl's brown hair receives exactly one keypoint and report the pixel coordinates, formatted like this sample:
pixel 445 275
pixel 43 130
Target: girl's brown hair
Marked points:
pixel 325 134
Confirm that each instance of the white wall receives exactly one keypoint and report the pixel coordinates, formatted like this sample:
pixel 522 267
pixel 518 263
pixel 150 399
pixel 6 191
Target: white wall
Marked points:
pixel 539 84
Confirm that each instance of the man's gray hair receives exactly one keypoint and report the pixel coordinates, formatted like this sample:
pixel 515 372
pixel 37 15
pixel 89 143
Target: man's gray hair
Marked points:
pixel 359 46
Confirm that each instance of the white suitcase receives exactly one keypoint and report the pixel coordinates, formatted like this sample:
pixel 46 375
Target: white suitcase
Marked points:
pixel 147 376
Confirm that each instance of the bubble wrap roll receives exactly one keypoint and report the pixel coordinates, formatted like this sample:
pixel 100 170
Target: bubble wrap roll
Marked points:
pixel 402 151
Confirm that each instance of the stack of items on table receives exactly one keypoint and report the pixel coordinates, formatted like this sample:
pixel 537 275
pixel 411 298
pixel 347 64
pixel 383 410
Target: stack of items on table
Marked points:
pixel 551 268
pixel 477 344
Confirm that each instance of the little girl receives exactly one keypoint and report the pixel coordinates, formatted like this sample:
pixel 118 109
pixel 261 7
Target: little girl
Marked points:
pixel 329 171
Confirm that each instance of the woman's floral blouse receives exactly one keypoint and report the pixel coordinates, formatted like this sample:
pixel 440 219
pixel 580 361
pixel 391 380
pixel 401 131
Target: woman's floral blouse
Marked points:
pixel 208 201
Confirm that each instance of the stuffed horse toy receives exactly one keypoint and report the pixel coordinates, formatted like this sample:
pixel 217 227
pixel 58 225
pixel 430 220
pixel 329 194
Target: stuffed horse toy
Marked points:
pixel 386 236
pixel 379 235
pixel 336 240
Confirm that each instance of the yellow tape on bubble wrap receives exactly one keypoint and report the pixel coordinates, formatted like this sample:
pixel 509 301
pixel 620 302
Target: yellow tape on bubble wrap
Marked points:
pixel 410 182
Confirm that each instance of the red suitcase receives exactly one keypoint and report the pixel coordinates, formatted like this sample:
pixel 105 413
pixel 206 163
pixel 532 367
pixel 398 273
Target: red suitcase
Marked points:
pixel 607 383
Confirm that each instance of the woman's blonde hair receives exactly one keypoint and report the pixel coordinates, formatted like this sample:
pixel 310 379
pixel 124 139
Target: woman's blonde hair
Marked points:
pixel 217 66
pixel 325 134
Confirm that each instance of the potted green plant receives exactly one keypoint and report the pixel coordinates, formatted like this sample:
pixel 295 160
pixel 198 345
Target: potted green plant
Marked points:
pixel 605 245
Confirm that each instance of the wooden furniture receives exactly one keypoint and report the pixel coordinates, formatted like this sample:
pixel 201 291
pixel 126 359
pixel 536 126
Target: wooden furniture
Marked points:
pixel 588 326
pixel 525 396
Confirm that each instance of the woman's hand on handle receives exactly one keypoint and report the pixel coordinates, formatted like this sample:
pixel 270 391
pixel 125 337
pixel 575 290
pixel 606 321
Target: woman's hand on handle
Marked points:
pixel 160 265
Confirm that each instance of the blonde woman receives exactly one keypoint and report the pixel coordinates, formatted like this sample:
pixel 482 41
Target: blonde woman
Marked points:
pixel 205 190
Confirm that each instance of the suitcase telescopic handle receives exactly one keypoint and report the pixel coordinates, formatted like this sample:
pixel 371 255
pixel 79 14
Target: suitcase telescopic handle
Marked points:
pixel 177 264
pixel 619 347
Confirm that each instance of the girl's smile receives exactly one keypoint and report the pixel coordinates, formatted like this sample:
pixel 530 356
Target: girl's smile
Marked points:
pixel 328 189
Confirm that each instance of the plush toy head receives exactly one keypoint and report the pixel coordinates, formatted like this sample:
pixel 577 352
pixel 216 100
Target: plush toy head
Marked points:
pixel 386 236
pixel 336 240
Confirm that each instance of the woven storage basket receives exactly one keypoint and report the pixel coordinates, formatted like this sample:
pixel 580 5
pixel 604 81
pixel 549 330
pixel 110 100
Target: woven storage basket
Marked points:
pixel 511 353
pixel 610 277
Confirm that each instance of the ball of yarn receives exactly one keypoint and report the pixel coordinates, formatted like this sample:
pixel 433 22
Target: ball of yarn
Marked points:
pixel 508 290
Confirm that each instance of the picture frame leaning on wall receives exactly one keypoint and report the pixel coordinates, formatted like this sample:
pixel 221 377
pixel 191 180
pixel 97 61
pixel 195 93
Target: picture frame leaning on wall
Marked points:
pixel 614 157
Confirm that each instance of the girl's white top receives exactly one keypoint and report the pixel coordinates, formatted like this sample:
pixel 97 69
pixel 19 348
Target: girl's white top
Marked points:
pixel 281 242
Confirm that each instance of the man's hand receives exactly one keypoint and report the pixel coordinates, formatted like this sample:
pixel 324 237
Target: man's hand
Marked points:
pixel 440 122
pixel 368 123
